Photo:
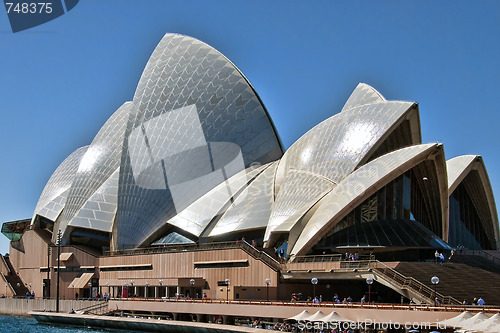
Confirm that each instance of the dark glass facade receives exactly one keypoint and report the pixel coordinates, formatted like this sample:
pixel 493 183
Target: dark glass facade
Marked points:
pixel 466 227
pixel 397 215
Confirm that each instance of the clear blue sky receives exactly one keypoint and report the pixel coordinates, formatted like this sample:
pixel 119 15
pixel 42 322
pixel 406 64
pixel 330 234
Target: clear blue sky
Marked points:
pixel 61 81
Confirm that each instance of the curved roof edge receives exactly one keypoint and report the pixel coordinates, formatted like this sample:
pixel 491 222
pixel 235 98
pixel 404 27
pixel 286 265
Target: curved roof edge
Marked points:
pixel 99 163
pixel 254 211
pixel 458 169
pixel 413 116
pixel 197 217
pixel 238 70
pixel 260 100
pixel 359 185
pixel 363 94
pixel 60 181
pixel 99 210
pixel 324 150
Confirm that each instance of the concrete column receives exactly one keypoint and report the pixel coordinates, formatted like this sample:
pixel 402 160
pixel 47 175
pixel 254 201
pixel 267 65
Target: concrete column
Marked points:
pixel 178 290
pixel 166 291
pixel 224 319
pixel 156 292
pixel 175 315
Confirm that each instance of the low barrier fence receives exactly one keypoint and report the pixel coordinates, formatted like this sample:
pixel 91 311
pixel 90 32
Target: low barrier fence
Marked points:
pixel 380 306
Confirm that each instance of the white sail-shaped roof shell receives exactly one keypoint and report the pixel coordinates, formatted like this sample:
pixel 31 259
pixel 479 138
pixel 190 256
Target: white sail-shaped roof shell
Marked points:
pixel 459 168
pixel 358 186
pixel 189 100
pixel 324 156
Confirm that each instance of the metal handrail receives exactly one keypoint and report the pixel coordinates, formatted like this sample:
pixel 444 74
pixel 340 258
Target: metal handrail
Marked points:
pixel 174 248
pixel 22 280
pixel 411 283
pixel 260 255
pixel 365 263
pixel 329 258
pixel 78 247
pixel 100 304
pixel 241 244
pixel 5 263
pixel 7 283
pixel 393 306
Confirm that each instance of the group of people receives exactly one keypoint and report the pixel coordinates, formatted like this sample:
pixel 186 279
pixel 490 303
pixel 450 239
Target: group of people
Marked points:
pixel 476 301
pixel 284 327
pixel 351 257
pixel 253 243
pixel 319 299
pixel 105 297
pixel 439 256
pixel 288 326
pixel 30 294
pixel 346 300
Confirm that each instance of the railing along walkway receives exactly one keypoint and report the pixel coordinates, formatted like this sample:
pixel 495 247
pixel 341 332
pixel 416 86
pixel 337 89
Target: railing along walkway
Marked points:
pixel 369 262
pixel 7 284
pixel 330 258
pixel 6 265
pixel 260 255
pixel 380 306
pixel 240 244
pixel 410 283
pixel 346 265
pixel 100 307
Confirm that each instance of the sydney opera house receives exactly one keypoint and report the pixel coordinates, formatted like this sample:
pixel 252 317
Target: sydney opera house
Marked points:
pixel 188 190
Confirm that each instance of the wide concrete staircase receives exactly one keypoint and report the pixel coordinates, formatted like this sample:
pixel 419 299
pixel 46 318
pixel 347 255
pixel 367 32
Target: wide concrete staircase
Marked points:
pixel 408 286
pixel 458 279
pixel 484 261
pixel 99 307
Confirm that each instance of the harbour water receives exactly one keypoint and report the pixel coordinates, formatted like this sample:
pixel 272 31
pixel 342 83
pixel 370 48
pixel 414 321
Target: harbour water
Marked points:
pixel 13 324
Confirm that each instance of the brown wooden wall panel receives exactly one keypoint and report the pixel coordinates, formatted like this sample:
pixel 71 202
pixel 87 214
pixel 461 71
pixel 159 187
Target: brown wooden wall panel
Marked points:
pixel 173 268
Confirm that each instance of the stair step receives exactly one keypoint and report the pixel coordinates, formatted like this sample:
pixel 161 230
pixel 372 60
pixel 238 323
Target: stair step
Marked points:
pixel 457 279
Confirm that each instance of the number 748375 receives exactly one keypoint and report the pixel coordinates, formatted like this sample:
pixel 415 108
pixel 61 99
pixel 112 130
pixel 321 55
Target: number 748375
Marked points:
pixel 29 7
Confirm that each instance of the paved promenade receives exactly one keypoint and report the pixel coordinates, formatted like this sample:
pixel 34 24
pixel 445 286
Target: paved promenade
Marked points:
pixel 137 324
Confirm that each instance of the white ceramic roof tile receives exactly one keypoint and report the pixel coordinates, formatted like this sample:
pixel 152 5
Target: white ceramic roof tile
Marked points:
pixel 252 212
pixel 54 195
pixel 98 213
pixel 295 198
pixel 196 216
pixel 99 163
pixel 363 94
pixel 456 167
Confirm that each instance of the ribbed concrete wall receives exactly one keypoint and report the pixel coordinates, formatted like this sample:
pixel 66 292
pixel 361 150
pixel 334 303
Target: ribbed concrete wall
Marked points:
pixel 21 307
